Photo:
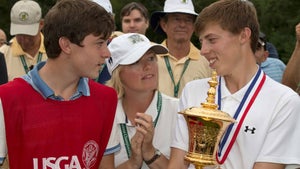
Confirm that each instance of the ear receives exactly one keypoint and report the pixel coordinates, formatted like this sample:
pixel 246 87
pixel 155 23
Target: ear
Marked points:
pixel 65 45
pixel 245 35
pixel 41 25
pixel 162 24
pixel 265 56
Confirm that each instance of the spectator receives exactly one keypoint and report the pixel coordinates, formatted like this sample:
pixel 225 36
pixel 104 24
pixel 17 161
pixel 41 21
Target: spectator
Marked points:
pixel 55 116
pixel 291 76
pixel 272 50
pixel 27 47
pixel 274 68
pixel 144 116
pixel 229 32
pixel 134 18
pixel 183 63
pixel 3 39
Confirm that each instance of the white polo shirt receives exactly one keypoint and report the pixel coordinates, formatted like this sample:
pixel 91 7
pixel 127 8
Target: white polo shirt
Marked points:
pixel 163 130
pixel 275 115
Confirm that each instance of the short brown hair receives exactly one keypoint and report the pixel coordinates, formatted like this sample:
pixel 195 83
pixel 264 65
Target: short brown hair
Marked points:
pixel 233 16
pixel 74 19
pixel 126 10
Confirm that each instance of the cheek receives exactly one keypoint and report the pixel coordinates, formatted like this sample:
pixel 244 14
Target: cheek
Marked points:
pixel 129 77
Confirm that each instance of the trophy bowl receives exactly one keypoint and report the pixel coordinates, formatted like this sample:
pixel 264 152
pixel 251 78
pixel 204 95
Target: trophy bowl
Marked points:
pixel 206 125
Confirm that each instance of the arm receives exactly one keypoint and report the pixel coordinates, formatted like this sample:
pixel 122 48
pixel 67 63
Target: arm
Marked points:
pixel 107 162
pixel 177 159
pixel 260 165
pixel 291 76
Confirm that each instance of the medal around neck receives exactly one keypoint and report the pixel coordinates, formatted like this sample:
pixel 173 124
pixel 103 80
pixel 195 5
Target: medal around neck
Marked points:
pixel 206 125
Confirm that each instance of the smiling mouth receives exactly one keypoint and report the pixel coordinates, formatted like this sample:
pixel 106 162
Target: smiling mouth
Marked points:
pixel 212 61
pixel 149 76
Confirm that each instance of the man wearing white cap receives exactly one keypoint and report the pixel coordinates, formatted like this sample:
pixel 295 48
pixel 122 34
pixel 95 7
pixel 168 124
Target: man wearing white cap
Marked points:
pixel 27 47
pixel 183 63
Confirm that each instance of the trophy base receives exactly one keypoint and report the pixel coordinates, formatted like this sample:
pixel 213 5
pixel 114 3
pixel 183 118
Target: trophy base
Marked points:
pixel 200 160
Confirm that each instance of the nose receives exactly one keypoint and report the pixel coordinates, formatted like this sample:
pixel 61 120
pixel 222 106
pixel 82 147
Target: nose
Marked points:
pixel 105 53
pixel 131 24
pixel 204 50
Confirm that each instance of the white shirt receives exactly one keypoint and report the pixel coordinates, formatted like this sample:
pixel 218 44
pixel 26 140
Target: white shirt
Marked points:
pixel 163 129
pixel 275 115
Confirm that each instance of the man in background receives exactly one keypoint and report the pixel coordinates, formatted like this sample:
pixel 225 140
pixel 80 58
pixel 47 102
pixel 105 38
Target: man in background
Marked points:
pixel 273 67
pixel 183 63
pixel 26 49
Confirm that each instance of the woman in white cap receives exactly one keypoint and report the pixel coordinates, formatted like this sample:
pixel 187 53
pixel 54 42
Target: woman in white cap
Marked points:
pixel 144 116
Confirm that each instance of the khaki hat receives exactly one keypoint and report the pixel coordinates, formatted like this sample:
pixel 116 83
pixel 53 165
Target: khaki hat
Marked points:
pixel 25 18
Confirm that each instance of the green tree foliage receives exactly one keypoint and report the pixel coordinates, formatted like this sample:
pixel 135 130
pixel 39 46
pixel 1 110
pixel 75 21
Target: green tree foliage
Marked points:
pixel 277 18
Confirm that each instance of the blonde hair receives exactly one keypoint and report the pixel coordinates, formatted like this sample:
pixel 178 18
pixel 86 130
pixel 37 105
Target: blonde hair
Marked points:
pixel 115 82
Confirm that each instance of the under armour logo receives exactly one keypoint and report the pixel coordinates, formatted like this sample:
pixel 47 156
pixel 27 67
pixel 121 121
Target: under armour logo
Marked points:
pixel 110 60
pixel 248 129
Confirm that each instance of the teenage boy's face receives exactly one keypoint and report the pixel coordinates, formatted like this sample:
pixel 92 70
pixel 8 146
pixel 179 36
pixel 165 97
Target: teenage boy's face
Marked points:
pixel 88 60
pixel 221 48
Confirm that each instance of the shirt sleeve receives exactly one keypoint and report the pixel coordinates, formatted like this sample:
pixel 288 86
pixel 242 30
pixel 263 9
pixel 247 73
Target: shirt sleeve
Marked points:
pixel 114 140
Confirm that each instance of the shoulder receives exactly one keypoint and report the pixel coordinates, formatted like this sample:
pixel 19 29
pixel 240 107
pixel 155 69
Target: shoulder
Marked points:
pixel 277 90
pixel 97 88
pixel 169 99
pixel 275 61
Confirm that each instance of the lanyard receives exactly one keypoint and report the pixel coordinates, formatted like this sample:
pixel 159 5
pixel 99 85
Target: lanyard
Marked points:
pixel 124 128
pixel 176 87
pixel 40 55
pixel 236 115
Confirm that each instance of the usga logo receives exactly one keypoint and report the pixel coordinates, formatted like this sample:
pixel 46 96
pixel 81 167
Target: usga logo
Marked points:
pixel 89 158
pixel 54 163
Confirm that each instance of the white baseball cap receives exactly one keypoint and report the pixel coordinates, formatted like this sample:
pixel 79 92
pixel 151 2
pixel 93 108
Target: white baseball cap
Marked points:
pixel 128 48
pixel 105 4
pixel 25 18
pixel 171 6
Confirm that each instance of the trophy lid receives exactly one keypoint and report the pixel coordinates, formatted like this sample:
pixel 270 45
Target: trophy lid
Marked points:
pixel 209 109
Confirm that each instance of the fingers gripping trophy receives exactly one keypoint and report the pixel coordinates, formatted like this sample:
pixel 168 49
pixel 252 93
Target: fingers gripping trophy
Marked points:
pixel 206 125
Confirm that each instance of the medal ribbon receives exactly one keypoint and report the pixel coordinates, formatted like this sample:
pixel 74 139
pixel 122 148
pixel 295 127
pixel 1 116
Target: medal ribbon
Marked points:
pixel 228 131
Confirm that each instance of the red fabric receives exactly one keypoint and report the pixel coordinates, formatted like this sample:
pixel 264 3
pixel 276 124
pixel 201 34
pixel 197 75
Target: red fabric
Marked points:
pixel 60 134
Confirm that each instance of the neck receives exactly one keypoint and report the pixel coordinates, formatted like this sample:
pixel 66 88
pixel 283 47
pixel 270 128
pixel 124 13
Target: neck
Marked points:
pixel 178 49
pixel 61 82
pixel 235 82
pixel 136 102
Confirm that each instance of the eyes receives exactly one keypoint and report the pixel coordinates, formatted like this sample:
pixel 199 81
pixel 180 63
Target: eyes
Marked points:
pixel 179 19
pixel 100 43
pixel 148 59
